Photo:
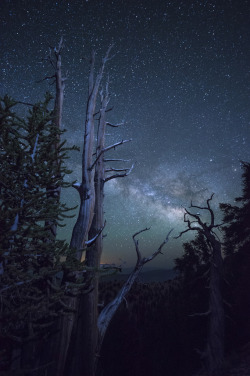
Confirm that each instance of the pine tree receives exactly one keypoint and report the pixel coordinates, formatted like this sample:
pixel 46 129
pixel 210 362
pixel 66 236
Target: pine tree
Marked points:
pixel 195 260
pixel 193 297
pixel 33 277
pixel 237 260
pixel 237 218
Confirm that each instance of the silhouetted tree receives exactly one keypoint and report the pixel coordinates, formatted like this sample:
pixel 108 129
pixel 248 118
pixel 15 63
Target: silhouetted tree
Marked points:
pixel 237 251
pixel 55 59
pixel 192 296
pixel 30 256
pixel 195 260
pixel 237 218
pixel 214 353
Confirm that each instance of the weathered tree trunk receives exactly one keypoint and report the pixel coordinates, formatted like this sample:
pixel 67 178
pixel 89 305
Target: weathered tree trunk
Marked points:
pixel 60 340
pixel 88 225
pixel 93 256
pixel 34 352
pixel 108 312
pixel 55 191
pixel 87 187
pixel 215 348
pixel 87 333
pixel 214 353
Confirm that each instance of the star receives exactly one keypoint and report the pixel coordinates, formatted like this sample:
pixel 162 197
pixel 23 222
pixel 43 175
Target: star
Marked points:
pixel 179 81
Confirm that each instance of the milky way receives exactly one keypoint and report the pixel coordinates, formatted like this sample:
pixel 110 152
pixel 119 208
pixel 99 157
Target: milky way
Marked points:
pixel 180 82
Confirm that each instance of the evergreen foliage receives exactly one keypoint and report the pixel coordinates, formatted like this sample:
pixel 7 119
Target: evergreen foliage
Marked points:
pixel 237 260
pixel 33 275
pixel 237 217
pixel 192 297
pixel 193 268
pixel 195 260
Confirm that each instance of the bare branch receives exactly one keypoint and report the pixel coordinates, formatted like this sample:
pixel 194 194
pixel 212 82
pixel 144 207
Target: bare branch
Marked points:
pixel 108 312
pixel 106 57
pixel 46 78
pixel 77 186
pixel 206 208
pixel 126 173
pixel 59 48
pixel 111 169
pixel 116 160
pixel 199 225
pixel 114 125
pixel 109 109
pixel 203 226
pixel 136 242
pixel 90 242
pixel 50 60
pixel 25 103
pixel 115 145
pixel 196 216
pixel 158 251
pixel 107 149
pixel 188 229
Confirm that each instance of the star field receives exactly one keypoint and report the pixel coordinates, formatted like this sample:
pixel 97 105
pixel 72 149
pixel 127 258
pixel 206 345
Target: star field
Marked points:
pixel 180 82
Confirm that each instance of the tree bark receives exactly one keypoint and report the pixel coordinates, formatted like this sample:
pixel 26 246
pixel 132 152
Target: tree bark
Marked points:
pixel 109 311
pixel 87 187
pixel 215 348
pixel 88 225
pixel 87 333
pixel 54 191
pixel 214 353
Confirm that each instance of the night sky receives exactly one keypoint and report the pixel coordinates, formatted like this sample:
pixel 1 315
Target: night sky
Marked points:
pixel 180 82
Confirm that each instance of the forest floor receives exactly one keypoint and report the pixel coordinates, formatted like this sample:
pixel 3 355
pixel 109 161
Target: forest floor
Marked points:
pixel 242 366
pixel 239 366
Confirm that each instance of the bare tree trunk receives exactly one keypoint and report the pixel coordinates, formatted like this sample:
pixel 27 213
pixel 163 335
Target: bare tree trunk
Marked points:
pixel 84 347
pixel 62 338
pixel 215 348
pixel 215 344
pixel 89 224
pixel 87 332
pixel 87 187
pixel 60 341
pixel 35 352
pixel 109 311
pixel 93 256
pixel 55 191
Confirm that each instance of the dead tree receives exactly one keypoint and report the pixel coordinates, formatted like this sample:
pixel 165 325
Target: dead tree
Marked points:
pixel 87 232
pixel 53 192
pixel 55 60
pixel 109 311
pixel 214 353
pixel 87 333
pixel 86 188
pixel 60 342
pixel 106 315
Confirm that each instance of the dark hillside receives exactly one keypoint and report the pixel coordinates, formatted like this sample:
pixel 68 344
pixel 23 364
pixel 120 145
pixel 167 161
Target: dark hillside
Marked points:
pixel 148 275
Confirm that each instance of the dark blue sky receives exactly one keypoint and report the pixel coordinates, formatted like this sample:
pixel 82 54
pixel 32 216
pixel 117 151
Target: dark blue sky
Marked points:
pixel 179 79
